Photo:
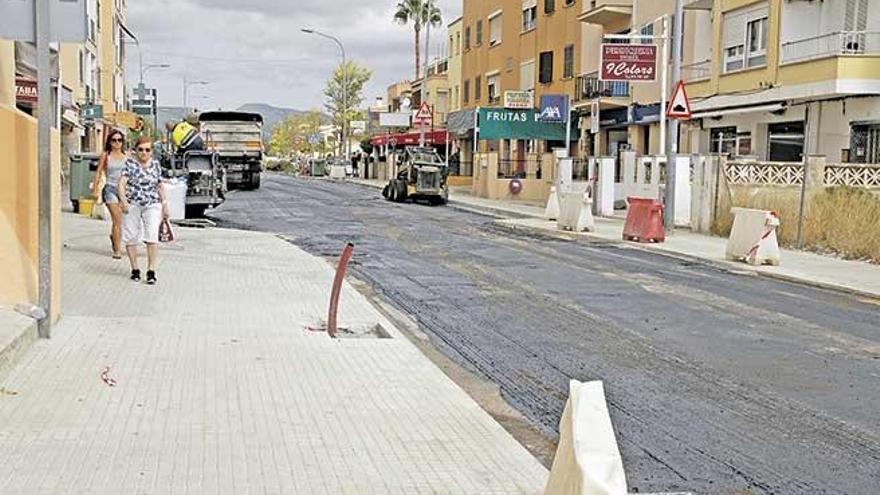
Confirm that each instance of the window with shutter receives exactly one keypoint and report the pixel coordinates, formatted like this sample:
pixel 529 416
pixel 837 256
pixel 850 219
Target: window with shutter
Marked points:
pixel 545 67
pixel 478 88
pixel 744 37
pixel 495 24
pixel 527 75
pixel 529 14
pixel 568 65
pixel 479 33
pixel 549 6
pixel 467 91
pixel 467 38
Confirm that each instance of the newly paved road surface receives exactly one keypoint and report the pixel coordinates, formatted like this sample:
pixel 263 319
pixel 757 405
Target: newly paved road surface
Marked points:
pixel 718 383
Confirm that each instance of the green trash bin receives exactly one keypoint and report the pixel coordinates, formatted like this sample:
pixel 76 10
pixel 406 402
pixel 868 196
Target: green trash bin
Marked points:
pixel 317 168
pixel 82 172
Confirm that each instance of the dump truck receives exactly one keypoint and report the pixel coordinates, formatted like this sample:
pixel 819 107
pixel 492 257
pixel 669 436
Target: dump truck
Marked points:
pixel 237 138
pixel 420 175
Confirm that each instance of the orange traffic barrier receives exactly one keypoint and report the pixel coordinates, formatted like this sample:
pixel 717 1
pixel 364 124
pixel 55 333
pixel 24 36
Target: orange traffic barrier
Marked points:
pixel 644 221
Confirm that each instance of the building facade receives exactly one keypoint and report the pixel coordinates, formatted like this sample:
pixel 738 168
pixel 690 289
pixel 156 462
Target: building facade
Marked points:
pixel 789 78
pixel 453 57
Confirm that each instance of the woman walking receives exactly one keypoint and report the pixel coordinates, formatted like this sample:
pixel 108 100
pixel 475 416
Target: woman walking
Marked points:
pixel 142 198
pixel 111 164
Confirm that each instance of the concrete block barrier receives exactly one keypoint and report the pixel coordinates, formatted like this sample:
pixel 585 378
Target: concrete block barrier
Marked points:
pixel 753 237
pixel 587 460
pixel 576 212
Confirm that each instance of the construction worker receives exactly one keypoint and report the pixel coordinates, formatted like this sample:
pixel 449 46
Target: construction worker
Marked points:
pixel 185 137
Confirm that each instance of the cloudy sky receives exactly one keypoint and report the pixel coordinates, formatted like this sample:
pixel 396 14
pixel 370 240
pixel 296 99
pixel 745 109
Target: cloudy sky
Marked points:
pixel 253 50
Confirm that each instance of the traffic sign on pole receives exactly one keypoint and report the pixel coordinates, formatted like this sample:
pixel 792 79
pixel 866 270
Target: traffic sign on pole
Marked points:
pixel 679 105
pixel 423 114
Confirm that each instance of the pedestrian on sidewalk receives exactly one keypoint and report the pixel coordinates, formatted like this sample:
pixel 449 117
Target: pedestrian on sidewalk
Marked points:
pixel 112 162
pixel 143 200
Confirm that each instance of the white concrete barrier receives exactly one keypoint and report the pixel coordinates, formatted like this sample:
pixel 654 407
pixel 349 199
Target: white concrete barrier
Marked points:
pixel 551 212
pixel 576 212
pixel 587 459
pixel 753 237
pixel 337 172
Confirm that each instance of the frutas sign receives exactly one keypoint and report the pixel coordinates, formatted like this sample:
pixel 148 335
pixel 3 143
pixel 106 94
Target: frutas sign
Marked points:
pixel 627 62
pixel 498 123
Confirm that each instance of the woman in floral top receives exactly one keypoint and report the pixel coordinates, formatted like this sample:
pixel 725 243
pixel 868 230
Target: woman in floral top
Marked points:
pixel 142 199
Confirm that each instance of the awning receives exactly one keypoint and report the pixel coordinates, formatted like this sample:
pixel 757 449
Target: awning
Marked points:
pixel 460 122
pixel 410 138
pixel 733 111
pixel 26 61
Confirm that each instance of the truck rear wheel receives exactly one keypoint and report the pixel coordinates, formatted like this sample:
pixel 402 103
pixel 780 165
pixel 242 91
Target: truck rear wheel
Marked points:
pixel 400 185
pixel 255 181
pixel 195 211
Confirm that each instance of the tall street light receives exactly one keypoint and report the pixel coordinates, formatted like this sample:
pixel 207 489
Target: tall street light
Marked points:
pixel 145 68
pixel 344 87
pixel 186 84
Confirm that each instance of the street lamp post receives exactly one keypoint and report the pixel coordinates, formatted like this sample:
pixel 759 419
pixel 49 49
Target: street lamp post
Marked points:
pixel 145 68
pixel 186 84
pixel 344 87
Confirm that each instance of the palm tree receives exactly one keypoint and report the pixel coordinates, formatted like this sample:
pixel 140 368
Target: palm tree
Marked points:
pixel 420 13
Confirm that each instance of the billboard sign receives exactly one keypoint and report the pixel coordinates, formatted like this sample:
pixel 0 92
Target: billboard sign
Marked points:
pixel 628 62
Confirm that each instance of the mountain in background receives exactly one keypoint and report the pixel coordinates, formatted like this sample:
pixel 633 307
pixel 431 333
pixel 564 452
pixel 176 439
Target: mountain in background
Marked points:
pixel 271 115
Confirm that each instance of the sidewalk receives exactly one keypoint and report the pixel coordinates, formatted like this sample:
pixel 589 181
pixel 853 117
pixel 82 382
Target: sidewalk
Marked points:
pixel 797 266
pixel 222 390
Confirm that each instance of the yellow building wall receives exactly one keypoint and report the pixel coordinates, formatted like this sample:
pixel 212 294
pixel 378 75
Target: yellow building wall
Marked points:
pixel 19 207
pixel 552 33
pixel 19 210
pixel 453 76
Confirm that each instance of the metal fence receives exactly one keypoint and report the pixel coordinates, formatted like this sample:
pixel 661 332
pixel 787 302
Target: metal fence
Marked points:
pixel 697 71
pixel 832 45
pixel 512 169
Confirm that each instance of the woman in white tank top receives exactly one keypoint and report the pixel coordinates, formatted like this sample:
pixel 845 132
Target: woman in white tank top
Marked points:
pixel 112 162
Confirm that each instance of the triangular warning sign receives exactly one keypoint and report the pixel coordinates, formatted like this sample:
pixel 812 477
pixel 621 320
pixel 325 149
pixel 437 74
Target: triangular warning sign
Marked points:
pixel 424 112
pixel 679 105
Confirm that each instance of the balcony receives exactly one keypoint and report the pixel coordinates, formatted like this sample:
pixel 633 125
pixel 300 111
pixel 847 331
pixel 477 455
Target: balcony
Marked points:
pixel 831 45
pixel 589 87
pixel 605 12
pixel 698 71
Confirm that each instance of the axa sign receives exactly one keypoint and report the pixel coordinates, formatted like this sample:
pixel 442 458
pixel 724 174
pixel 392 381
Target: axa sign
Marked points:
pixel 626 62
pixel 554 108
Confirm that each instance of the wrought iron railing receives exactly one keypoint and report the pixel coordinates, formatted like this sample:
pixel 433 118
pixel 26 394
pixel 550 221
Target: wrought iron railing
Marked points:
pixel 832 45
pixel 590 87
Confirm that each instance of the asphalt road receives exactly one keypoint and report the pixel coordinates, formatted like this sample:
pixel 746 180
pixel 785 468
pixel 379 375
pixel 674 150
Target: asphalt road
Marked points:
pixel 717 382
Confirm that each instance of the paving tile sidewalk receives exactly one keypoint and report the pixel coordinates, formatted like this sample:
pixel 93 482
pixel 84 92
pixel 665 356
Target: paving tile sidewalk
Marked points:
pixel 222 390
pixel 798 266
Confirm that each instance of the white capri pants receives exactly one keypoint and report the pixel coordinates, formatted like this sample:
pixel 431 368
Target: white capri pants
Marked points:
pixel 141 224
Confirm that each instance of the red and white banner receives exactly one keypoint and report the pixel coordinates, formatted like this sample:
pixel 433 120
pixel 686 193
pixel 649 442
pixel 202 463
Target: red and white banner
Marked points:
pixel 628 62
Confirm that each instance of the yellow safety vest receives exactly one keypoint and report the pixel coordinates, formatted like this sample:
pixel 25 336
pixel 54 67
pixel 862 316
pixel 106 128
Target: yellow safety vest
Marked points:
pixel 183 134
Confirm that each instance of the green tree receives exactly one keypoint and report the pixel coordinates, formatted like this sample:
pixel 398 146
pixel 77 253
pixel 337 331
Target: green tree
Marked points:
pixel 291 135
pixel 419 13
pixel 341 105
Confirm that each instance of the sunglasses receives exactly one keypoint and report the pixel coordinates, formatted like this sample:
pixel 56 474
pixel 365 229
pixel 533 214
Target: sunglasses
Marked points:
pixel 144 150
pixel 117 140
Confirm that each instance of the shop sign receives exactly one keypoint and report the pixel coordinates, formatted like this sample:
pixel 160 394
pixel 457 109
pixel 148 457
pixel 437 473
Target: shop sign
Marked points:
pixel 554 108
pixel 92 112
pixel 628 62
pixel 502 123
pixel 25 90
pixel 519 100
